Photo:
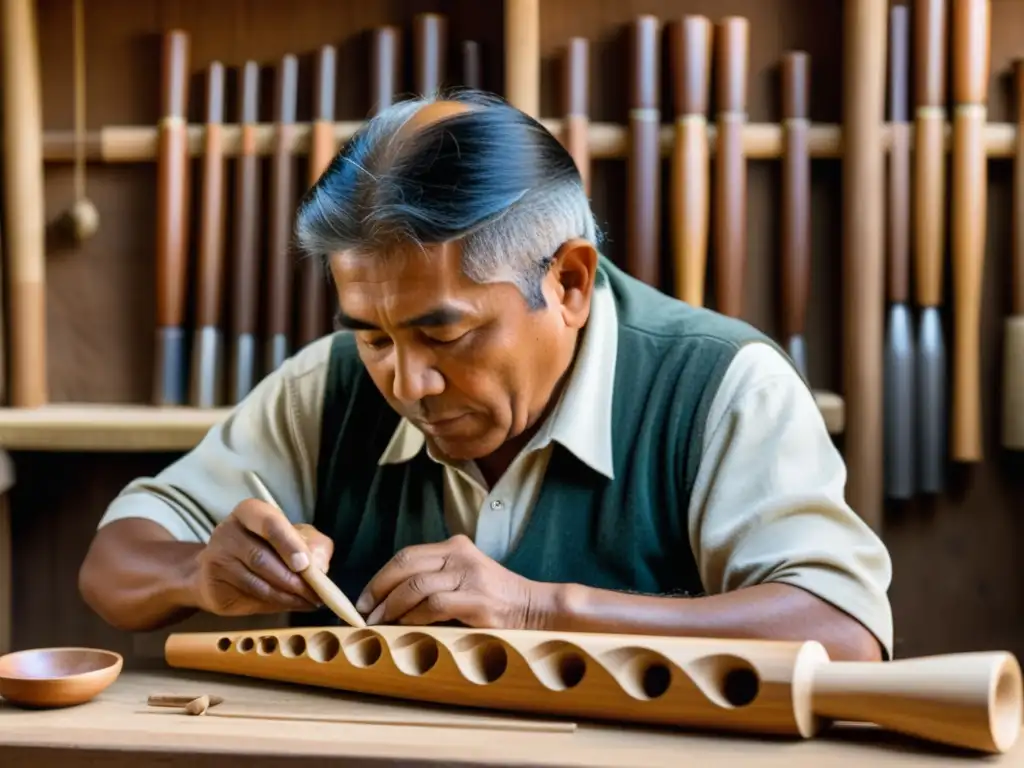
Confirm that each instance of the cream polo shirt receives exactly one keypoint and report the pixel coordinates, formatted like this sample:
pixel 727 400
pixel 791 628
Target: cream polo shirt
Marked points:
pixel 767 503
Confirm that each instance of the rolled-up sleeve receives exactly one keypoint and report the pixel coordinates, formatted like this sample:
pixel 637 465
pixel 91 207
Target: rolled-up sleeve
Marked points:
pixel 768 503
pixel 274 432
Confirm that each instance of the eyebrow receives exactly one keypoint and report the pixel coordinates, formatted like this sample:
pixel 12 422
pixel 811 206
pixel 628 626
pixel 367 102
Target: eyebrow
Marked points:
pixel 432 318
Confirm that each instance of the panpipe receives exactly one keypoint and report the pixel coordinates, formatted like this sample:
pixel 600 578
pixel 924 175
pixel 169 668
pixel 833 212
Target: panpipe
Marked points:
pixel 774 688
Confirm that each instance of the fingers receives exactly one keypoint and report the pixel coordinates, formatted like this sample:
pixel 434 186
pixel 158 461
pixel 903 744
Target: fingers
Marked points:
pixel 320 547
pixel 270 524
pixel 268 598
pixel 412 592
pixel 403 566
pixel 465 607
pixel 258 570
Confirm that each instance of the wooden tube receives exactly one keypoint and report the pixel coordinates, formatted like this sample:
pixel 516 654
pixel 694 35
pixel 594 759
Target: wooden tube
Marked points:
pixel 864 46
pixel 643 194
pixel 24 205
pixel 929 158
pixel 386 67
pixel 576 96
pixel 1013 339
pixel 730 209
pixel 748 686
pixel 245 277
pixel 206 344
pixel 472 66
pixel 796 204
pixel 282 207
pixel 430 47
pixel 690 44
pixel 968 214
pixel 312 300
pixel 522 55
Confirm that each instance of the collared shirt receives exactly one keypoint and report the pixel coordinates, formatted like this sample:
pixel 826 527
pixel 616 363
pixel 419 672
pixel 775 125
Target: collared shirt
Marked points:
pixel 767 504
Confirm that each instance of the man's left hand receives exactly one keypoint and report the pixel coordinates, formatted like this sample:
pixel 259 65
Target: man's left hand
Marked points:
pixel 451 581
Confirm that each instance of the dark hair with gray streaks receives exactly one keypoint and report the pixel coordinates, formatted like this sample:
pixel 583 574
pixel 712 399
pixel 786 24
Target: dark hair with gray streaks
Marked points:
pixel 491 177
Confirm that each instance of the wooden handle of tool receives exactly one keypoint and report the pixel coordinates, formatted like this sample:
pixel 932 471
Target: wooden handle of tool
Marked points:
pixel 643 184
pixel 1017 266
pixel 472 66
pixel 576 91
pixel 211 223
pixel 172 184
pixel 282 199
pixel 731 57
pixel 430 46
pixel 386 63
pixel 245 277
pixel 522 55
pixel 930 45
pixel 24 204
pixel 690 42
pixel 899 156
pixel 969 192
pixel 796 192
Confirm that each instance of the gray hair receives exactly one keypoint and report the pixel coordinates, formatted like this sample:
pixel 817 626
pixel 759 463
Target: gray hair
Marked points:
pixel 490 177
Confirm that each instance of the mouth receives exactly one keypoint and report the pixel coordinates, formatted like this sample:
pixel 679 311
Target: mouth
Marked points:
pixel 440 426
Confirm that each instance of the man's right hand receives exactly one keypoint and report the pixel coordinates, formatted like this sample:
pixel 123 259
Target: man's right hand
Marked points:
pixel 252 561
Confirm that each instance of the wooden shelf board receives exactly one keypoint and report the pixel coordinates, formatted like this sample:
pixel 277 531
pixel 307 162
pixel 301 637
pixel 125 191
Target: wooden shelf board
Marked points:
pixel 141 428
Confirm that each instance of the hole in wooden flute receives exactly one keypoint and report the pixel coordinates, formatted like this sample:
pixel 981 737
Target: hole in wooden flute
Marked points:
pixel 726 680
pixel 224 644
pixel 294 646
pixel 266 645
pixel 741 686
pixel 642 673
pixel 363 648
pixel 246 644
pixel 415 654
pixel 324 646
pixel 481 659
pixel 558 665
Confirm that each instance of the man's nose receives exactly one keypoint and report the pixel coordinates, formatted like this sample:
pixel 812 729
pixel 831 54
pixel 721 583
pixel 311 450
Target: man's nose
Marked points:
pixel 415 377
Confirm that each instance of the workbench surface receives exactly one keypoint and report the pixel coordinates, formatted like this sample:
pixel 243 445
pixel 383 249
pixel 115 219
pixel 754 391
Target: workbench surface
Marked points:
pixel 118 730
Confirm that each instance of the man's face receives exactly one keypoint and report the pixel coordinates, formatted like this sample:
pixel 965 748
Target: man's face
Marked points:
pixel 469 364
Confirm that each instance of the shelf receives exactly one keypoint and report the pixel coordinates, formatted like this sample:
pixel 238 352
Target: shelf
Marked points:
pixel 761 141
pixel 141 428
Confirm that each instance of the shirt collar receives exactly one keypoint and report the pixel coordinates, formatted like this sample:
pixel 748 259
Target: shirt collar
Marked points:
pixel 582 418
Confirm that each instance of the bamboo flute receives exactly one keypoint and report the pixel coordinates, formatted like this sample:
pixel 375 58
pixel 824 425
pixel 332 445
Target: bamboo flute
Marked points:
pixel 245 278
pixel 575 95
pixel 730 208
pixel 643 194
pixel 206 343
pixel 282 206
pixel 690 45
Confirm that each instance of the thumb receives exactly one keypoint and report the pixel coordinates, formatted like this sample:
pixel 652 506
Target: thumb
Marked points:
pixel 321 548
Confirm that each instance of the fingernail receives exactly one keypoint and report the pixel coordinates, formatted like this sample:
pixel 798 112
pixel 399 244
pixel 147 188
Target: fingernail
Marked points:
pixel 300 561
pixel 375 617
pixel 364 603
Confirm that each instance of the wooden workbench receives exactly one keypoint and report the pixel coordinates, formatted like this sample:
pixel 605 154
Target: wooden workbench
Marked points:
pixel 117 731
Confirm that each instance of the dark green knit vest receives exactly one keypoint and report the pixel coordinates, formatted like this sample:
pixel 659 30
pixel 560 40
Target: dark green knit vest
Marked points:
pixel 629 533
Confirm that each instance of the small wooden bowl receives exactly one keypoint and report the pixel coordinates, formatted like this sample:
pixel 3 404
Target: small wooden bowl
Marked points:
pixel 57 677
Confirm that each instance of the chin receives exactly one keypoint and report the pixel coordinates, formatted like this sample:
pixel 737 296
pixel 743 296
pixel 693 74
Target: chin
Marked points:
pixel 467 448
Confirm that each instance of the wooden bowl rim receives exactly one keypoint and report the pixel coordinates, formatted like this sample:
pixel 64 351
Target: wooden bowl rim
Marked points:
pixel 114 659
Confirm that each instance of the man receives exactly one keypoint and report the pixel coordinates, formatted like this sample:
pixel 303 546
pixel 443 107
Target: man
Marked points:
pixel 510 432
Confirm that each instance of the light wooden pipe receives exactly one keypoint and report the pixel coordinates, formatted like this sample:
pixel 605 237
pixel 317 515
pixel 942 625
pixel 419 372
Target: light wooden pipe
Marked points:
pixel 1013 344
pixel 522 55
pixel 24 205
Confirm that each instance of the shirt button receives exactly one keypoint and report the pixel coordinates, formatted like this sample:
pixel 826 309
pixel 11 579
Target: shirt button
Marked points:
pixel 496 504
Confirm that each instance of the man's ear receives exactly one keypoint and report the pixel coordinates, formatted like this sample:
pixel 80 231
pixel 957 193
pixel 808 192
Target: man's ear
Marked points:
pixel 575 272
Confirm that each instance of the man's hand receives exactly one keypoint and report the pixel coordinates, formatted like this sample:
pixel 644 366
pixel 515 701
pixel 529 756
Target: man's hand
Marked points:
pixel 252 560
pixel 451 581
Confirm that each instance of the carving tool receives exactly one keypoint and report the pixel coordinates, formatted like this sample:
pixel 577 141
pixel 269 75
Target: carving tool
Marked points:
pixel 386 63
pixel 969 190
pixel 312 302
pixel 472 66
pixel 575 95
pixel 282 207
pixel 900 449
pixel 24 205
pixel 796 204
pixel 643 194
pixel 929 158
pixel 245 277
pixel 206 344
pixel 863 278
pixel 730 209
pixel 430 46
pixel 690 42
pixel 318 581
pixel 172 223
pixel 1013 341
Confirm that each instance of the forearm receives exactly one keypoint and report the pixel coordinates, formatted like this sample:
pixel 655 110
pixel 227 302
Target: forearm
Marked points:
pixel 764 611
pixel 136 577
